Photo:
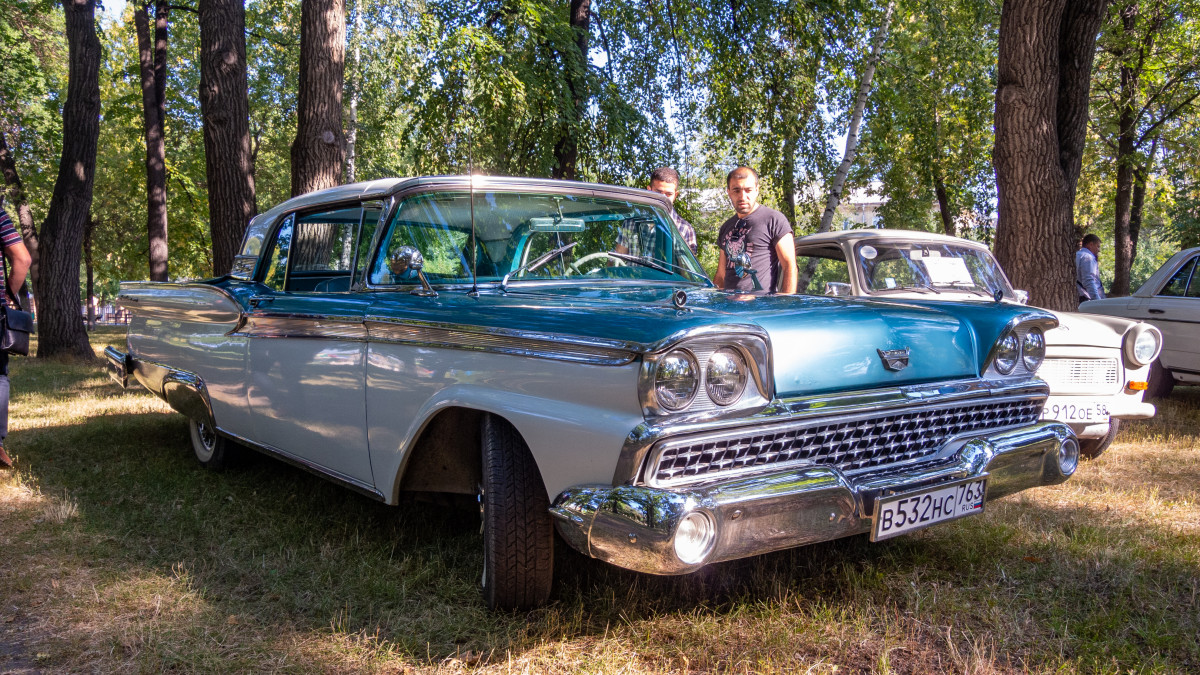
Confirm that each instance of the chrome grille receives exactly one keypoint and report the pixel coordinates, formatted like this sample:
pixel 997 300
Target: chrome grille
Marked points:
pixel 850 443
pixel 1080 376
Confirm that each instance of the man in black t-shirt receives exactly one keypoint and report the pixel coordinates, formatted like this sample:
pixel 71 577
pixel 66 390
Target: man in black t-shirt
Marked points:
pixel 756 245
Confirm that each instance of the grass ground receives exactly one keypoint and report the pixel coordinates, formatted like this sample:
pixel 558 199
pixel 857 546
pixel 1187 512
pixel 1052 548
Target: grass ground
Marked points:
pixel 119 554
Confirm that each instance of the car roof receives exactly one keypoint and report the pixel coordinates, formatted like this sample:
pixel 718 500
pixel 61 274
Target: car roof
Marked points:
pixel 855 236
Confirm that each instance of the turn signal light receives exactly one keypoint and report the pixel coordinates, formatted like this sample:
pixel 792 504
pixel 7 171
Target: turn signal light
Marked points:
pixel 1137 386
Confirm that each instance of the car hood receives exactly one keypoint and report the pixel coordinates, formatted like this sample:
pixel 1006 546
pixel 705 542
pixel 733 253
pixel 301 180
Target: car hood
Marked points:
pixel 819 344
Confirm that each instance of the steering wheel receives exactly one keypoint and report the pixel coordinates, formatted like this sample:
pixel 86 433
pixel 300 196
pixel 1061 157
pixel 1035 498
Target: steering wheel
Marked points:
pixel 574 267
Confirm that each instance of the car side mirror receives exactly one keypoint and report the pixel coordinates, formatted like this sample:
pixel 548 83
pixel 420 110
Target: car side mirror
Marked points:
pixel 1022 297
pixel 837 288
pixel 406 262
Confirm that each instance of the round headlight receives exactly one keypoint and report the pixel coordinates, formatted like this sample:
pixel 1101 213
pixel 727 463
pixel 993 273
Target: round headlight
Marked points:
pixel 1008 352
pixel 1033 349
pixel 694 537
pixel 725 376
pixel 1144 348
pixel 676 380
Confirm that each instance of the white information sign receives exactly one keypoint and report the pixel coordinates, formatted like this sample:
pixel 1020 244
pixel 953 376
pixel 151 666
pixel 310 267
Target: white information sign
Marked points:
pixel 947 271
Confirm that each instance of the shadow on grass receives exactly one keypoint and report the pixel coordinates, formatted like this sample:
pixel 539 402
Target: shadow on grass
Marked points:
pixel 269 555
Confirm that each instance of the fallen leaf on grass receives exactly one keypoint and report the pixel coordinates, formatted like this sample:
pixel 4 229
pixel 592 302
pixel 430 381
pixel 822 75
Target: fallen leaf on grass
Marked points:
pixel 1034 559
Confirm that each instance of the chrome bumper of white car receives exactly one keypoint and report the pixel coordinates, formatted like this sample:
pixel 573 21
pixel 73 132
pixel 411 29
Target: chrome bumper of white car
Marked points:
pixel 635 526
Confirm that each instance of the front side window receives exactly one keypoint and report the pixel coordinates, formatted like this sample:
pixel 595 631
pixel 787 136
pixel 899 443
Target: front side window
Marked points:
pixel 580 237
pixel 933 266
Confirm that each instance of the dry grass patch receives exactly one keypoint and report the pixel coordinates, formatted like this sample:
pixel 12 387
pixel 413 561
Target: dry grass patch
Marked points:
pixel 121 555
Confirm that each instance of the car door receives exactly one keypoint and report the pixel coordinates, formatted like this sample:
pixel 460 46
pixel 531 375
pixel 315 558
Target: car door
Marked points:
pixel 306 352
pixel 1175 310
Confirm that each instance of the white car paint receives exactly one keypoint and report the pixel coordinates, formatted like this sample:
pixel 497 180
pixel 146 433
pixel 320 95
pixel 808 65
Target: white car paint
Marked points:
pixel 1084 361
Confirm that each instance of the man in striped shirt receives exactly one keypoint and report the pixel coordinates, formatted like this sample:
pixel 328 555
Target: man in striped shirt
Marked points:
pixel 18 257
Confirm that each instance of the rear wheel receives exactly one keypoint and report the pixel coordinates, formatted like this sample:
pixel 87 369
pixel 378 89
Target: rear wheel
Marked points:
pixel 1091 448
pixel 1160 383
pixel 518 535
pixel 212 450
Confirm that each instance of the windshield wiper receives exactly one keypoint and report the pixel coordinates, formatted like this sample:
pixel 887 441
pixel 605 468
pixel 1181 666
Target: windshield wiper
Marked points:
pixel 655 264
pixel 536 263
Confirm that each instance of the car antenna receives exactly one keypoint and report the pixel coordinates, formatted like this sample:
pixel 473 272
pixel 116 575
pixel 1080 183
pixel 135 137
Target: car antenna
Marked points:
pixel 474 292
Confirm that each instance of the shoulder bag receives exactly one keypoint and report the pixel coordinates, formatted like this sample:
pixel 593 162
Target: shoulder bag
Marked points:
pixel 15 323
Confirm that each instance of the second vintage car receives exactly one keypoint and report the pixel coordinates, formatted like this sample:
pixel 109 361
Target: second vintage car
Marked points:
pixel 1097 367
pixel 554 349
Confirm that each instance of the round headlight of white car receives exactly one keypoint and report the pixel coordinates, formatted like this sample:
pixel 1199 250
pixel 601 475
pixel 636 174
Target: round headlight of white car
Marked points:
pixel 1142 345
pixel 1033 349
pixel 676 380
pixel 726 375
pixel 694 537
pixel 1008 352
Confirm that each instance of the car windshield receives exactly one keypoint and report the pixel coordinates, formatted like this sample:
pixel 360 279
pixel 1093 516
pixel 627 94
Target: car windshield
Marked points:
pixel 931 267
pixel 590 239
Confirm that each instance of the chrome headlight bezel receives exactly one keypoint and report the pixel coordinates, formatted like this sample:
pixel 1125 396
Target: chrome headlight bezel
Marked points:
pixel 750 343
pixel 1007 353
pixel 996 365
pixel 668 365
pixel 725 376
pixel 1033 349
pixel 1136 334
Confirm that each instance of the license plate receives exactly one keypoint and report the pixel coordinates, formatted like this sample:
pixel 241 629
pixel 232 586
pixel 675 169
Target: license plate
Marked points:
pixel 1085 410
pixel 898 514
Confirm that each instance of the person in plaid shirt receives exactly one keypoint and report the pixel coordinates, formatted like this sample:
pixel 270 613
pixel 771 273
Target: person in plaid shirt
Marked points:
pixel 18 258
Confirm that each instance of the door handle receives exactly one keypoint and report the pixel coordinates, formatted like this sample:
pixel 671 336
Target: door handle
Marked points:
pixel 256 300
pixel 1157 311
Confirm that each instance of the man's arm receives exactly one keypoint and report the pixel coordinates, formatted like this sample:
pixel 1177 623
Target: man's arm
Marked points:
pixel 18 257
pixel 719 277
pixel 785 248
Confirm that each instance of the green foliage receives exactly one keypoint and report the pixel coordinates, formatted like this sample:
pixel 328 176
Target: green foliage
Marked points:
pixel 929 117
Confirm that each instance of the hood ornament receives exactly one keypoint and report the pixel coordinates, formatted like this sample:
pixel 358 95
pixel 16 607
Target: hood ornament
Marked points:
pixel 894 359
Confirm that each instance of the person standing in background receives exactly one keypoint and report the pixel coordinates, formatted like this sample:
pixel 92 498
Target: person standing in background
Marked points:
pixel 757 250
pixel 665 181
pixel 1087 269
pixel 18 258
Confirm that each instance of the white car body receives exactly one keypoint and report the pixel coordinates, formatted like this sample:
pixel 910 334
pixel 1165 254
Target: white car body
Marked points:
pixel 1086 364
pixel 1169 300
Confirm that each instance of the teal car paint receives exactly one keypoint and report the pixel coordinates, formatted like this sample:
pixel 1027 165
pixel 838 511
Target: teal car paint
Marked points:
pixel 560 356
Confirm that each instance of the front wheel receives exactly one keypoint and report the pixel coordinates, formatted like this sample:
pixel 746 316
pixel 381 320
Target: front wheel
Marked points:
pixel 1091 448
pixel 518 535
pixel 212 450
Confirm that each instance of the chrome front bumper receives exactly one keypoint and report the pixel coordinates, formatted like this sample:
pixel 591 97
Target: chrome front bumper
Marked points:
pixel 634 526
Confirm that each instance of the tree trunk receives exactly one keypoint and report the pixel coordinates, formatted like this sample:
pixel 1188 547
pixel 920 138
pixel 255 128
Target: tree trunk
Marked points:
pixel 1127 132
pixel 789 179
pixel 225 107
pixel 1045 63
pixel 60 329
pixel 320 146
pixel 566 151
pixel 860 102
pixel 944 208
pixel 153 61
pixel 16 193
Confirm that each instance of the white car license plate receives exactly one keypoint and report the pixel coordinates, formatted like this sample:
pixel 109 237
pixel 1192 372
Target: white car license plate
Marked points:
pixel 898 514
pixel 1086 410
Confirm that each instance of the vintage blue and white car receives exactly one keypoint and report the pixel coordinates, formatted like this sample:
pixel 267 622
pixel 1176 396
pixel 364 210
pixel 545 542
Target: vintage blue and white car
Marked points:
pixel 554 349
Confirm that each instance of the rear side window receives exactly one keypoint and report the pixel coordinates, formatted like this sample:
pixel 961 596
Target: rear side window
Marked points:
pixel 1178 285
pixel 315 252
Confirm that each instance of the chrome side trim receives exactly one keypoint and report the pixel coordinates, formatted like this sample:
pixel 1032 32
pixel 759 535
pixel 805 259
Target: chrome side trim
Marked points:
pixel 595 351
pixel 893 399
pixel 333 476
pixel 279 325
